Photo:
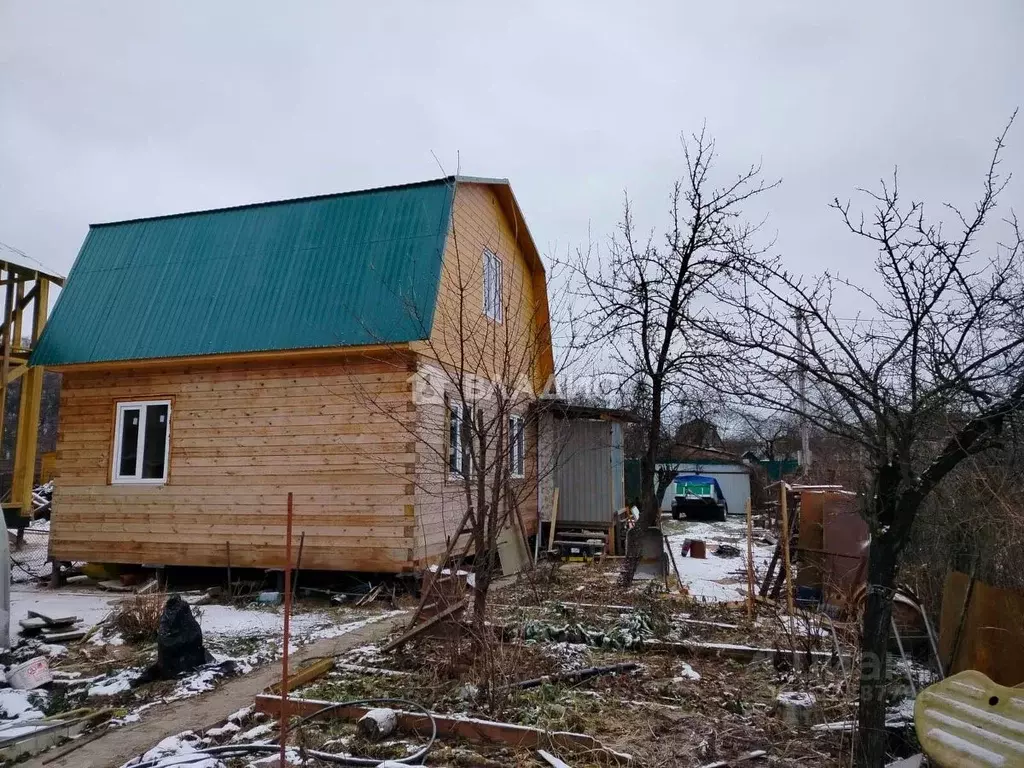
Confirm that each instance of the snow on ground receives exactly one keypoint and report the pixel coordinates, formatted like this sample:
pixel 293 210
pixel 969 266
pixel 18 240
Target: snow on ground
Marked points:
pixel 175 751
pixel 239 639
pixel 229 621
pixel 17 705
pixel 118 683
pixel 89 605
pixel 715 579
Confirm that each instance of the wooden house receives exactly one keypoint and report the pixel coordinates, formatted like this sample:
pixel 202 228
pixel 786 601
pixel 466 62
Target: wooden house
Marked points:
pixel 214 361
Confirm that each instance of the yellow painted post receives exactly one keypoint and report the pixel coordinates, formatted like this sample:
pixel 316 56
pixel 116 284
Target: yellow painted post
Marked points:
pixel 6 364
pixel 27 441
pixel 19 295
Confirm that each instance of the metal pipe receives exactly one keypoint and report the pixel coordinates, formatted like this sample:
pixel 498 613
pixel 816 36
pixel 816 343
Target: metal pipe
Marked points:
pixel 903 655
pixel 287 615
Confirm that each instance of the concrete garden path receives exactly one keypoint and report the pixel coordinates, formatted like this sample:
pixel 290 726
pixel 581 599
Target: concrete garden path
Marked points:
pixel 119 745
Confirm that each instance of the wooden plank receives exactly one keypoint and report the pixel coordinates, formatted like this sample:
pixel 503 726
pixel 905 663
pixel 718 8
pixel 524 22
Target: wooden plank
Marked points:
pixel 305 675
pixel 785 549
pixel 551 760
pixel 473 730
pixel 750 561
pixel 437 618
pixel 554 521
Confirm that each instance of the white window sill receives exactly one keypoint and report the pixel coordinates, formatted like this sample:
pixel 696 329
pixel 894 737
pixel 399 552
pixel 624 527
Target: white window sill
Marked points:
pixel 138 481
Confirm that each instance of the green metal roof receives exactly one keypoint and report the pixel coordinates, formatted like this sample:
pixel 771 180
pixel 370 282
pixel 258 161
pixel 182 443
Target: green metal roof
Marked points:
pixel 337 270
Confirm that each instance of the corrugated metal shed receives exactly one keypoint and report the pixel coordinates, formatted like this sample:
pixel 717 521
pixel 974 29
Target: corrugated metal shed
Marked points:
pixel 589 471
pixel 338 270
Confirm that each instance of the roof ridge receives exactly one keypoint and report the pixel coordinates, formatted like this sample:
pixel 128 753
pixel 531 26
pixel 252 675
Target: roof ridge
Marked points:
pixel 304 199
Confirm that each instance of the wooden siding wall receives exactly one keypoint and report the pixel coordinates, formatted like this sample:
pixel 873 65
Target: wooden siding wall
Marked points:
pixel 441 499
pixel 462 336
pixel 242 436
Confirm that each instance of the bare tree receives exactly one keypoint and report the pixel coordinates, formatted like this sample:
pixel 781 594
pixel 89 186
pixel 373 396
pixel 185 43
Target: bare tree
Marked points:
pixel 478 375
pixel 637 301
pixel 922 378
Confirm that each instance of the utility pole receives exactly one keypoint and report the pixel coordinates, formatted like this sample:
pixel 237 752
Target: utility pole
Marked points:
pixel 805 435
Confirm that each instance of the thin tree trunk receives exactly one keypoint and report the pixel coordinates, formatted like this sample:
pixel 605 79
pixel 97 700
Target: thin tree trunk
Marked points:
pixel 871 735
pixel 650 507
pixel 482 578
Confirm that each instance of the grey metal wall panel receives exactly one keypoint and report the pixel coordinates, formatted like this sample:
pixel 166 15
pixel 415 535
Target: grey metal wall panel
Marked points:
pixel 584 472
pixel 618 468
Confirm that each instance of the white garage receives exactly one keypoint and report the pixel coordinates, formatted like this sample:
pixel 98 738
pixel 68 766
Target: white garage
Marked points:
pixel 734 478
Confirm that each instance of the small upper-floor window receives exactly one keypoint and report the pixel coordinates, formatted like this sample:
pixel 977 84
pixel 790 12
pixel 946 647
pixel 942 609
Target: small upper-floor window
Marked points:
pixel 492 286
pixel 516 446
pixel 141 442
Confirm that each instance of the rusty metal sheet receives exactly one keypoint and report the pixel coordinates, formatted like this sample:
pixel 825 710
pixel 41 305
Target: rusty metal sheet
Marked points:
pixel 968 721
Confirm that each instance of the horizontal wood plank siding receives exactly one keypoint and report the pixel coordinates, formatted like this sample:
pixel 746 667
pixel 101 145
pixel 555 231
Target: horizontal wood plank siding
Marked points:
pixel 462 336
pixel 334 432
pixel 464 339
pixel 441 499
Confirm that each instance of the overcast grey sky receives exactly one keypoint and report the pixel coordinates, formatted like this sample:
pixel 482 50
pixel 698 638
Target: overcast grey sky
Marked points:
pixel 113 110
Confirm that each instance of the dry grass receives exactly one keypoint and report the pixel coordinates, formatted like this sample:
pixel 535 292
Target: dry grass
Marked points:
pixel 137 617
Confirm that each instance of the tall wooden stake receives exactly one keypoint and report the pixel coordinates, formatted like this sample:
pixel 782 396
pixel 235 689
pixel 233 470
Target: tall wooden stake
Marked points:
pixel 283 725
pixel 784 509
pixel 554 521
pixel 750 561
pixel 785 547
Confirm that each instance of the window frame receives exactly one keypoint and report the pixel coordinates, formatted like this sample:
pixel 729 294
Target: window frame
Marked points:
pixel 116 478
pixel 517 446
pixel 493 286
pixel 462 413
pixel 454 412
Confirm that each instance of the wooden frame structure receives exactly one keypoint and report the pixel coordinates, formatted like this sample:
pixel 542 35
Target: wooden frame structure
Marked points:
pixel 26 304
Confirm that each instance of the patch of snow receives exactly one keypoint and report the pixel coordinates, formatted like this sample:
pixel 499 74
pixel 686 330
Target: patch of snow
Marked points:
pixel 16 705
pixel 131 717
pixel 570 656
pixel 796 698
pixel 119 683
pixel 714 579
pixel 227 621
pixel 241 714
pixel 253 734
pixel 53 651
pixel 470 577
pixel 224 730
pixel 101 638
pixel 337 630
pixel 172 750
pixel 364 654
pixel 685 672
pixel 292 756
pixel 902 711
pixel 90 607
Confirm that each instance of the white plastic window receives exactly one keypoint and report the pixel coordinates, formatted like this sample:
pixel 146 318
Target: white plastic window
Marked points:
pixel 492 287
pixel 516 446
pixel 142 442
